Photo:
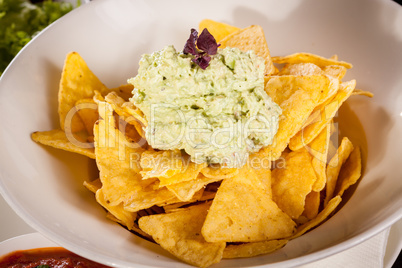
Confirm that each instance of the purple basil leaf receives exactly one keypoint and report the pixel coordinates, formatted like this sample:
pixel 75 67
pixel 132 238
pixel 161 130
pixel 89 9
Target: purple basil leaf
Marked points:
pixel 202 61
pixel 189 47
pixel 207 43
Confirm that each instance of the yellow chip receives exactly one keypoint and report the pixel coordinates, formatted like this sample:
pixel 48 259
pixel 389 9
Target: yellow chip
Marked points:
pixel 312 205
pixel 93 186
pixel 300 69
pixel 185 190
pixel 335 71
pixel 124 217
pixel 321 217
pixel 308 57
pixel 251 38
pixel 297 96
pixel 188 173
pixel 334 166
pixel 124 91
pixel 327 111
pixel 88 112
pixel 180 233
pixel 218 172
pixel 117 161
pixel 218 29
pixel 291 185
pixel 350 172
pixel 242 212
pixel 362 93
pixel 160 164
pixel 318 149
pixel 57 138
pixel 77 82
pixel 246 250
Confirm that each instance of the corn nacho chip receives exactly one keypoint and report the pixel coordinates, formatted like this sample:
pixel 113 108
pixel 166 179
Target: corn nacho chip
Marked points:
pixel 321 217
pixel 336 71
pixel 246 250
pixel 318 149
pixel 126 110
pixel 160 164
pixel 219 30
pixel 308 57
pixel 327 112
pixel 242 212
pixel 124 217
pixel 87 110
pixel 350 172
pixel 57 138
pixel 188 173
pixel 93 186
pixel 117 161
pixel 297 96
pixel 251 38
pixel 291 185
pixel 219 172
pixel 185 190
pixel 362 93
pixel 334 166
pixel 180 233
pixel 77 82
pixel 124 91
pixel 299 69
pixel 312 205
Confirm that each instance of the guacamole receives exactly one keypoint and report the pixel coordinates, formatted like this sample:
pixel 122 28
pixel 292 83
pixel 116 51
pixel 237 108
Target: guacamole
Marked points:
pixel 216 115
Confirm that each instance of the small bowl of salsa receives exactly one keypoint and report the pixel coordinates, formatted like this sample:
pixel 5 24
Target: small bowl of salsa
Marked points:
pixel 34 251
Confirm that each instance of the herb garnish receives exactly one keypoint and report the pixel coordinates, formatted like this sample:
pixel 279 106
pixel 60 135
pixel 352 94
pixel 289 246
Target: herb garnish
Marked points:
pixel 202 47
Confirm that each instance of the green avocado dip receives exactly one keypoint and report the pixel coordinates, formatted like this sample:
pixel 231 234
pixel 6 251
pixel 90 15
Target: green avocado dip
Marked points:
pixel 216 115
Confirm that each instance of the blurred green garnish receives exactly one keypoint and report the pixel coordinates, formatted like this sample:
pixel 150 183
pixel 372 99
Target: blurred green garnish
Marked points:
pixel 21 20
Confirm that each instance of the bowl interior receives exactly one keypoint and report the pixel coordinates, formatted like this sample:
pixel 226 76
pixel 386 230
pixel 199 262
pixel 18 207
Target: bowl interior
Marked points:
pixel 44 185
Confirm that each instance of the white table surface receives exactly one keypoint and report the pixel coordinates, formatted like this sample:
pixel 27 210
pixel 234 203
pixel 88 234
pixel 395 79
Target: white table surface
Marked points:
pixel 12 225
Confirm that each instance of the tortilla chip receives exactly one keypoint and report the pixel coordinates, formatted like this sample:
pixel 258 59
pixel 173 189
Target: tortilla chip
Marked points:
pixel 336 71
pixel 188 173
pixel 118 163
pixel 77 82
pixel 321 217
pixel 350 172
pixel 251 38
pixel 93 186
pixel 334 166
pixel 300 69
pixel 318 149
pixel 124 91
pixel 246 250
pixel 291 185
pixel 301 95
pixel 219 30
pixel 312 205
pixel 362 93
pixel 126 218
pixel 219 172
pixel 57 138
pixel 308 57
pixel 180 233
pixel 327 112
pixel 87 110
pixel 161 164
pixel 185 190
pixel 242 212
pixel 126 110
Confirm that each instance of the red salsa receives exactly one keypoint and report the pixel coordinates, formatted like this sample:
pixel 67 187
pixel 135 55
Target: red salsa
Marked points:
pixel 51 257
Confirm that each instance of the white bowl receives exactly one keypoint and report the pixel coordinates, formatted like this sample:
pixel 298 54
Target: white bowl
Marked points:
pixel 24 242
pixel 44 185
